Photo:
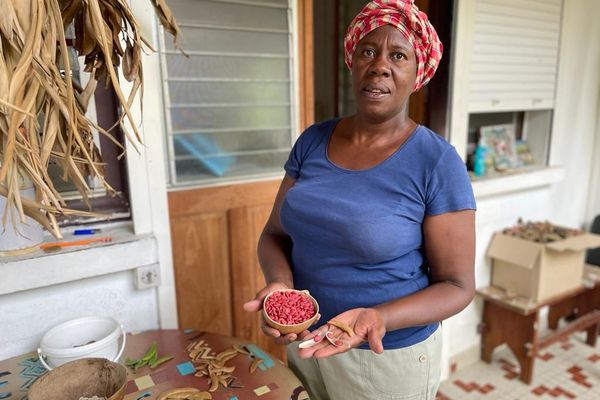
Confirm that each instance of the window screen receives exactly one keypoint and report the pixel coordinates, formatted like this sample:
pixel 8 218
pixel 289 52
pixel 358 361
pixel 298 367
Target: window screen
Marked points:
pixel 229 105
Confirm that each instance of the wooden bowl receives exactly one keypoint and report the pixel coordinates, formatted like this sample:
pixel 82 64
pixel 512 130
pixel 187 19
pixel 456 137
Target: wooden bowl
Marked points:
pixel 295 328
pixel 86 377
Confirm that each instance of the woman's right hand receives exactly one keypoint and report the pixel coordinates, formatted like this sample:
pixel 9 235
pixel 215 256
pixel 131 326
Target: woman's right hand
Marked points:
pixel 256 305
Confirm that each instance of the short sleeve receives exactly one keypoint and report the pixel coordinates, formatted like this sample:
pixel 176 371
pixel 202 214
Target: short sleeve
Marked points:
pixel 294 161
pixel 449 187
pixel 307 143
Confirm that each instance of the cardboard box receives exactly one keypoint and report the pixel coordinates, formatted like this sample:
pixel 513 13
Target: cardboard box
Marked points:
pixel 539 271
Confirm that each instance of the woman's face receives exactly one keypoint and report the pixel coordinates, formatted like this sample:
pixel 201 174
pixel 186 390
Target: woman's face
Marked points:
pixel 384 70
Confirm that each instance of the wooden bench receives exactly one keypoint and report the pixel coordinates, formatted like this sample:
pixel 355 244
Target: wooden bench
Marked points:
pixel 514 320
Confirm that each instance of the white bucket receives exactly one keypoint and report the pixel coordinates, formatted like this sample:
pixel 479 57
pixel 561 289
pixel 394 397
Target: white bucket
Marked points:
pixel 87 337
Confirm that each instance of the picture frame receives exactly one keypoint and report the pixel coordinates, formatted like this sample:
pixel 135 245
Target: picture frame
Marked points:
pixel 500 142
pixel 524 153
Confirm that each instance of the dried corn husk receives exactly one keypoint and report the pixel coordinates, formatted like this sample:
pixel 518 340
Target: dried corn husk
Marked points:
pixel 42 111
pixel 167 20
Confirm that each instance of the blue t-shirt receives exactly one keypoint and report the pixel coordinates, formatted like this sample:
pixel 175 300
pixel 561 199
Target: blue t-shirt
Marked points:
pixel 357 234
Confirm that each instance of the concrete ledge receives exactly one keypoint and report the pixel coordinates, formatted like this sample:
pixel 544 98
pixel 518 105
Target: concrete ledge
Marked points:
pixel 126 251
pixel 518 181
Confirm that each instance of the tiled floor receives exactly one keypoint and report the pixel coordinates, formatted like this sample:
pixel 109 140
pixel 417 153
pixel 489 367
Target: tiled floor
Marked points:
pixel 565 370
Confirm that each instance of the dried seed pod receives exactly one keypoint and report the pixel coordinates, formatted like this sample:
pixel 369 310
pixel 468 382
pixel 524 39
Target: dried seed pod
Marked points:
pixel 240 349
pixel 191 396
pixel 212 365
pixel 346 328
pixel 255 364
pixel 172 393
pixel 192 345
pixel 541 232
pixel 214 383
pixel 226 353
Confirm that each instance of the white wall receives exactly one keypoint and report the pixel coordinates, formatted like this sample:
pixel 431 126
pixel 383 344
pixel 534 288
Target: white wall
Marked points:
pixel 575 146
pixel 27 315
pixel 493 214
pixel 593 208
pixel 577 104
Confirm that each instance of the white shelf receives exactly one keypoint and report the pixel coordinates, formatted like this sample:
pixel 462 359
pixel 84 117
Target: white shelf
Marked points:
pixel 518 181
pixel 126 251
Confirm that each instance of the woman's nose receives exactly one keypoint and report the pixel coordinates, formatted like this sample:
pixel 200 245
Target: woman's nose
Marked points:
pixel 380 66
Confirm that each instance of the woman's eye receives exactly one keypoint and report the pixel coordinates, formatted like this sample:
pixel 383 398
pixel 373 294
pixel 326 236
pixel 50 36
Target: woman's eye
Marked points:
pixel 369 52
pixel 398 56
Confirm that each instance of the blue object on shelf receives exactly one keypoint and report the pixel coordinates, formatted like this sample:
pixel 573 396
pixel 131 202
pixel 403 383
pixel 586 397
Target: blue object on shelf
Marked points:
pixel 204 150
pixel 479 160
pixel 85 231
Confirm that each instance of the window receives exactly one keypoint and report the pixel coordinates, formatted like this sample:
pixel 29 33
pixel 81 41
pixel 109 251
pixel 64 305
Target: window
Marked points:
pixel 229 105
pixel 510 50
pixel 103 110
pixel 514 55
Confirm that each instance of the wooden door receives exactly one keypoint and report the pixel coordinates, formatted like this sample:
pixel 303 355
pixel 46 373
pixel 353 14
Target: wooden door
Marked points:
pixel 215 231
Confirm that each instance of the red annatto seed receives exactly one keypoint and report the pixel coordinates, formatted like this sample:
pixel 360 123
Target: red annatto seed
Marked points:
pixel 289 308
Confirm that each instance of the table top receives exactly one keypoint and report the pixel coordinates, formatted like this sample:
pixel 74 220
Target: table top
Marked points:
pixel 526 306
pixel 270 379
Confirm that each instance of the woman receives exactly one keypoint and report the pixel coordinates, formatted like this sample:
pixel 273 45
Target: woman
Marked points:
pixel 375 217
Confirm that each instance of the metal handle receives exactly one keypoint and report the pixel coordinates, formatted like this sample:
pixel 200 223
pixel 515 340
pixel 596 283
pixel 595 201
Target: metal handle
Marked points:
pixel 41 357
pixel 120 353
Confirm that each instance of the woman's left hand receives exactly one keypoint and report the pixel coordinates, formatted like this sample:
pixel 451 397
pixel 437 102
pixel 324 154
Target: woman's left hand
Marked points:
pixel 368 326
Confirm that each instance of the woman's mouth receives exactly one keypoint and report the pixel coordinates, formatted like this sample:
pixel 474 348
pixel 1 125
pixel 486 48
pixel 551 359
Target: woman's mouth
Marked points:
pixel 375 92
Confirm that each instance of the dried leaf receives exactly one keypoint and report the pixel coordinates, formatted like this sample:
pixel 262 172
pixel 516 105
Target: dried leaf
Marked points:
pixel 34 91
pixel 167 20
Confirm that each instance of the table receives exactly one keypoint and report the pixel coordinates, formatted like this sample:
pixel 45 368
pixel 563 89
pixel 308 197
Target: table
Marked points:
pixel 271 380
pixel 514 320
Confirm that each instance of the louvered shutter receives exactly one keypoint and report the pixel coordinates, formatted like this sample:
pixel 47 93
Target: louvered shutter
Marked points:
pixel 229 105
pixel 514 55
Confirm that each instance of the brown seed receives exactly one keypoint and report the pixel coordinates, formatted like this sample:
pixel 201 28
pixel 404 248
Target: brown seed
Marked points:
pixel 240 349
pixel 214 383
pixel 342 326
pixel 255 364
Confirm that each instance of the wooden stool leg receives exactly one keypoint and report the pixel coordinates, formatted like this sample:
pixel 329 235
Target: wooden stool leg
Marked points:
pixel 523 335
pixel 502 325
pixel 592 334
pixel 557 311
pixel 492 334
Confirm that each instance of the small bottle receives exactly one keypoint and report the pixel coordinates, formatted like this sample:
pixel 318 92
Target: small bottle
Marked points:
pixel 479 160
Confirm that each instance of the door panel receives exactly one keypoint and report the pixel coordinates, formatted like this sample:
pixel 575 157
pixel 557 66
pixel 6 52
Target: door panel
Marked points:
pixel 246 226
pixel 200 240
pixel 215 232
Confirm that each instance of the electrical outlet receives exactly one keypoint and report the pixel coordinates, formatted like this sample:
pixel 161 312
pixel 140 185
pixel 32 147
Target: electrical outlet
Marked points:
pixel 147 276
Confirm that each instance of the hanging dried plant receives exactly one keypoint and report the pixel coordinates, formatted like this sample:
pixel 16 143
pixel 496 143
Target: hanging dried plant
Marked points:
pixel 42 110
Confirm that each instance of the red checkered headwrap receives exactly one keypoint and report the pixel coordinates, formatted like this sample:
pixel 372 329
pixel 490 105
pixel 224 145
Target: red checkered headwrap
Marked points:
pixel 412 23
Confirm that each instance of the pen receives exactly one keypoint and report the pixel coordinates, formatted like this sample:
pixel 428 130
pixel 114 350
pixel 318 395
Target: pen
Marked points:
pixel 85 231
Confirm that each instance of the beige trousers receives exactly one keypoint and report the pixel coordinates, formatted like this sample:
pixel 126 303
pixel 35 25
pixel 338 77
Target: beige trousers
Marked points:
pixel 410 373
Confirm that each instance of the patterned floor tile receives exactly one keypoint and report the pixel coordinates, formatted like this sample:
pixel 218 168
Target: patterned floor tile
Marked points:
pixel 569 369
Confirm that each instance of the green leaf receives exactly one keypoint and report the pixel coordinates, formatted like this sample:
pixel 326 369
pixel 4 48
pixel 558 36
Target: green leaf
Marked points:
pixel 150 354
pixel 159 361
pixel 130 363
pixel 150 358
